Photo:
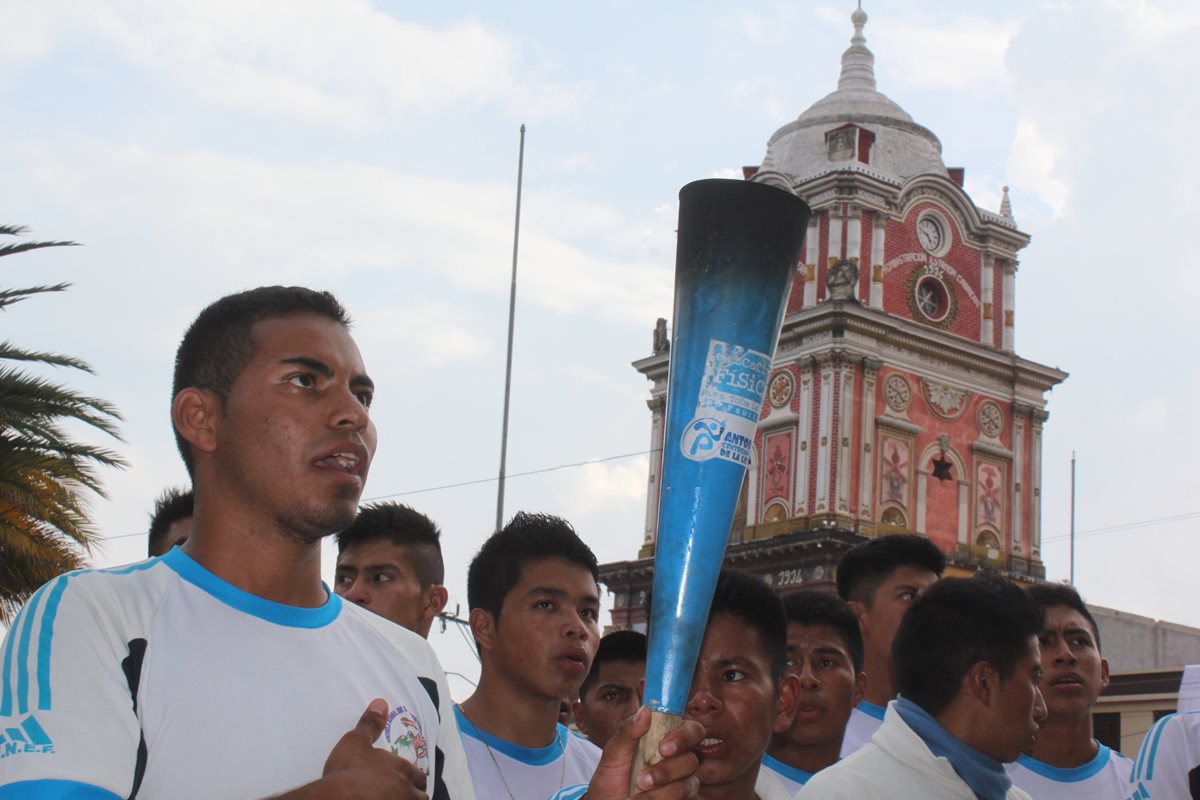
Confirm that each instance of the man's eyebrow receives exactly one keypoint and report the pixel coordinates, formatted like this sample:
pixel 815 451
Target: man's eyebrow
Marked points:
pixel 324 370
pixel 554 591
pixel 732 661
pixel 837 651
pixel 316 365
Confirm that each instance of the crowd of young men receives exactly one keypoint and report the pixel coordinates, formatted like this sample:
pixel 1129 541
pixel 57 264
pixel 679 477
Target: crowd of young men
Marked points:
pixel 222 667
pixel 225 668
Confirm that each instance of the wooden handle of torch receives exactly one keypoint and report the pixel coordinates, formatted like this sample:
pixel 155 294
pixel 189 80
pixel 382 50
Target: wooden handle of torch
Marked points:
pixel 661 724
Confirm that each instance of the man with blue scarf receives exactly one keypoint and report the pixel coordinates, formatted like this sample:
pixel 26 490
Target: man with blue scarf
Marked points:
pixel 967 665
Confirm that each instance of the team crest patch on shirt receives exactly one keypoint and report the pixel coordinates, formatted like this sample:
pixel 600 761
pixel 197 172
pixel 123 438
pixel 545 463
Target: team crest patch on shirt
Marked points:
pixel 406 739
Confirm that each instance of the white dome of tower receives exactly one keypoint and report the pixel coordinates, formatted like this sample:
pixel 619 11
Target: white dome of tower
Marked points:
pixel 900 147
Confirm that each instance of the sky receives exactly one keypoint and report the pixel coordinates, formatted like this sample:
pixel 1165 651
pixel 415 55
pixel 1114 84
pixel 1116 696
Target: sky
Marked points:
pixel 200 148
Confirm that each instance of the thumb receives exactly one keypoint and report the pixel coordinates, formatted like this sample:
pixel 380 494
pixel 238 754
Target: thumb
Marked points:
pixel 371 723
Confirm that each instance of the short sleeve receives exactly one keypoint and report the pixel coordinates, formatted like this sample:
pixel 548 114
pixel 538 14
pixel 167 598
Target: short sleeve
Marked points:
pixel 68 726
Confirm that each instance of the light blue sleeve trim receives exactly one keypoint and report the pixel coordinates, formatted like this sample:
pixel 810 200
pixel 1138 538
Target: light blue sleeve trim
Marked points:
pixel 55 790
pixel 794 774
pixel 1067 774
pixel 531 756
pixel 871 710
pixel 255 606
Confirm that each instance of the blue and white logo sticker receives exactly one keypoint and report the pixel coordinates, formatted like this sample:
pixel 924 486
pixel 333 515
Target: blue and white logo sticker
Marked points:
pixel 727 408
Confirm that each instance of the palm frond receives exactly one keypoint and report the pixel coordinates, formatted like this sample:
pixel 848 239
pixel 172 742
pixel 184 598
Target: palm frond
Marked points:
pixel 48 478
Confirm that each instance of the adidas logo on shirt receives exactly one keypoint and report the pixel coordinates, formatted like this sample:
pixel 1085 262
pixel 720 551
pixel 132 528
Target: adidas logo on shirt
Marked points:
pixel 28 738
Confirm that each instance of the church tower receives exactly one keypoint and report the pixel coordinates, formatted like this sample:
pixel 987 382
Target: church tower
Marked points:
pixel 896 401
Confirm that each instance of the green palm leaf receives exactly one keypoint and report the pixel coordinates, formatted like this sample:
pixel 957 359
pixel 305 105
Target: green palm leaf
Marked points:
pixel 47 477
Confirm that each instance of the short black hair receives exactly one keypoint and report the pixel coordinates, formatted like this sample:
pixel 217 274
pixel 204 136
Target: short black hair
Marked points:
pixel 218 343
pixel 866 566
pixel 527 537
pixel 616 646
pixel 821 608
pixel 1048 595
pixel 170 507
pixel 748 598
pixel 955 624
pixel 404 527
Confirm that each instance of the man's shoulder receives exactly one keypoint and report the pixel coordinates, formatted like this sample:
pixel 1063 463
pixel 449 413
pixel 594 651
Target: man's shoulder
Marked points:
pixel 579 748
pixel 383 633
pixel 114 592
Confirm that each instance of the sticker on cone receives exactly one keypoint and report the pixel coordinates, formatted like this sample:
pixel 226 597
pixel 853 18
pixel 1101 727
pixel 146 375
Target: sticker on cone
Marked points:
pixel 731 395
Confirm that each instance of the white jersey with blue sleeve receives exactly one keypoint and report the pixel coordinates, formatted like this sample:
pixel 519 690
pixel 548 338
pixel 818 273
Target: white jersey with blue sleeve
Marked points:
pixel 162 681
pixel 1104 777
pixel 790 777
pixel 864 720
pixel 502 770
pixel 1167 766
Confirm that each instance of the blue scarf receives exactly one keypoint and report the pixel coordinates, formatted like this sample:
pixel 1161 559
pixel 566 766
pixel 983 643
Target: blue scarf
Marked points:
pixel 985 775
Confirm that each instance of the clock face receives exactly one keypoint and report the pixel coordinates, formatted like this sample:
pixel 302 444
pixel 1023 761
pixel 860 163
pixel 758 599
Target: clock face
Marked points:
pixel 929 234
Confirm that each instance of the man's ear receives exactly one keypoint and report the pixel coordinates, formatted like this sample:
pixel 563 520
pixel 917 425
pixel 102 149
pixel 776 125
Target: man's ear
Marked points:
pixel 436 597
pixel 789 701
pixel 1103 674
pixel 483 628
pixel 861 612
pixel 580 716
pixel 982 682
pixel 196 414
pixel 860 687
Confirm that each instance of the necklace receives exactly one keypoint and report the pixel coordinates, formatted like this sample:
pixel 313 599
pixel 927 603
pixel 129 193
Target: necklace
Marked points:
pixel 562 755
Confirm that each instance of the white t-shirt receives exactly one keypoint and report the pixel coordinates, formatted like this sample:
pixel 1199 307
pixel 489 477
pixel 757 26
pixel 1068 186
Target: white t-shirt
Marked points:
pixel 161 680
pixel 864 720
pixel 1105 777
pixel 1167 766
pixel 770 786
pixel 791 777
pixel 502 770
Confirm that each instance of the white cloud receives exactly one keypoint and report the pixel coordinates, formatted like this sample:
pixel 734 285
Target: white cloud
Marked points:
pixel 420 332
pixel 966 52
pixel 337 63
pixel 239 221
pixel 1032 163
pixel 1152 416
pixel 602 485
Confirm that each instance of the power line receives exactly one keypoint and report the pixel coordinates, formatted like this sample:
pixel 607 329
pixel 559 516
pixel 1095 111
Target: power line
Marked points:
pixel 1145 523
pixel 460 484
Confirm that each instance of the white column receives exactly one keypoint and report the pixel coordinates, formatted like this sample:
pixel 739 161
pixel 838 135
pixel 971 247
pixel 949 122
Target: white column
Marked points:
pixel 824 434
pixel 866 472
pixel 804 435
pixel 653 484
pixel 812 242
pixel 844 435
pixel 1038 417
pixel 987 333
pixel 1018 473
pixel 1010 292
pixel 922 492
pixel 876 265
pixel 854 245
pixel 833 251
pixel 964 512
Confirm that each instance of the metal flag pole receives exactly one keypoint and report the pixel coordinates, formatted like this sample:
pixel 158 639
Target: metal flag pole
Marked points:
pixel 1072 517
pixel 512 309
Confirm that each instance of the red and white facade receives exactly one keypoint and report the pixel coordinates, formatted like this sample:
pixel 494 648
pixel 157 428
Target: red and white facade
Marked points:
pixel 897 402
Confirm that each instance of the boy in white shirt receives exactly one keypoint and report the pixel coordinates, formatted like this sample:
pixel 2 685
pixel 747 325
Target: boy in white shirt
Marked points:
pixel 1066 761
